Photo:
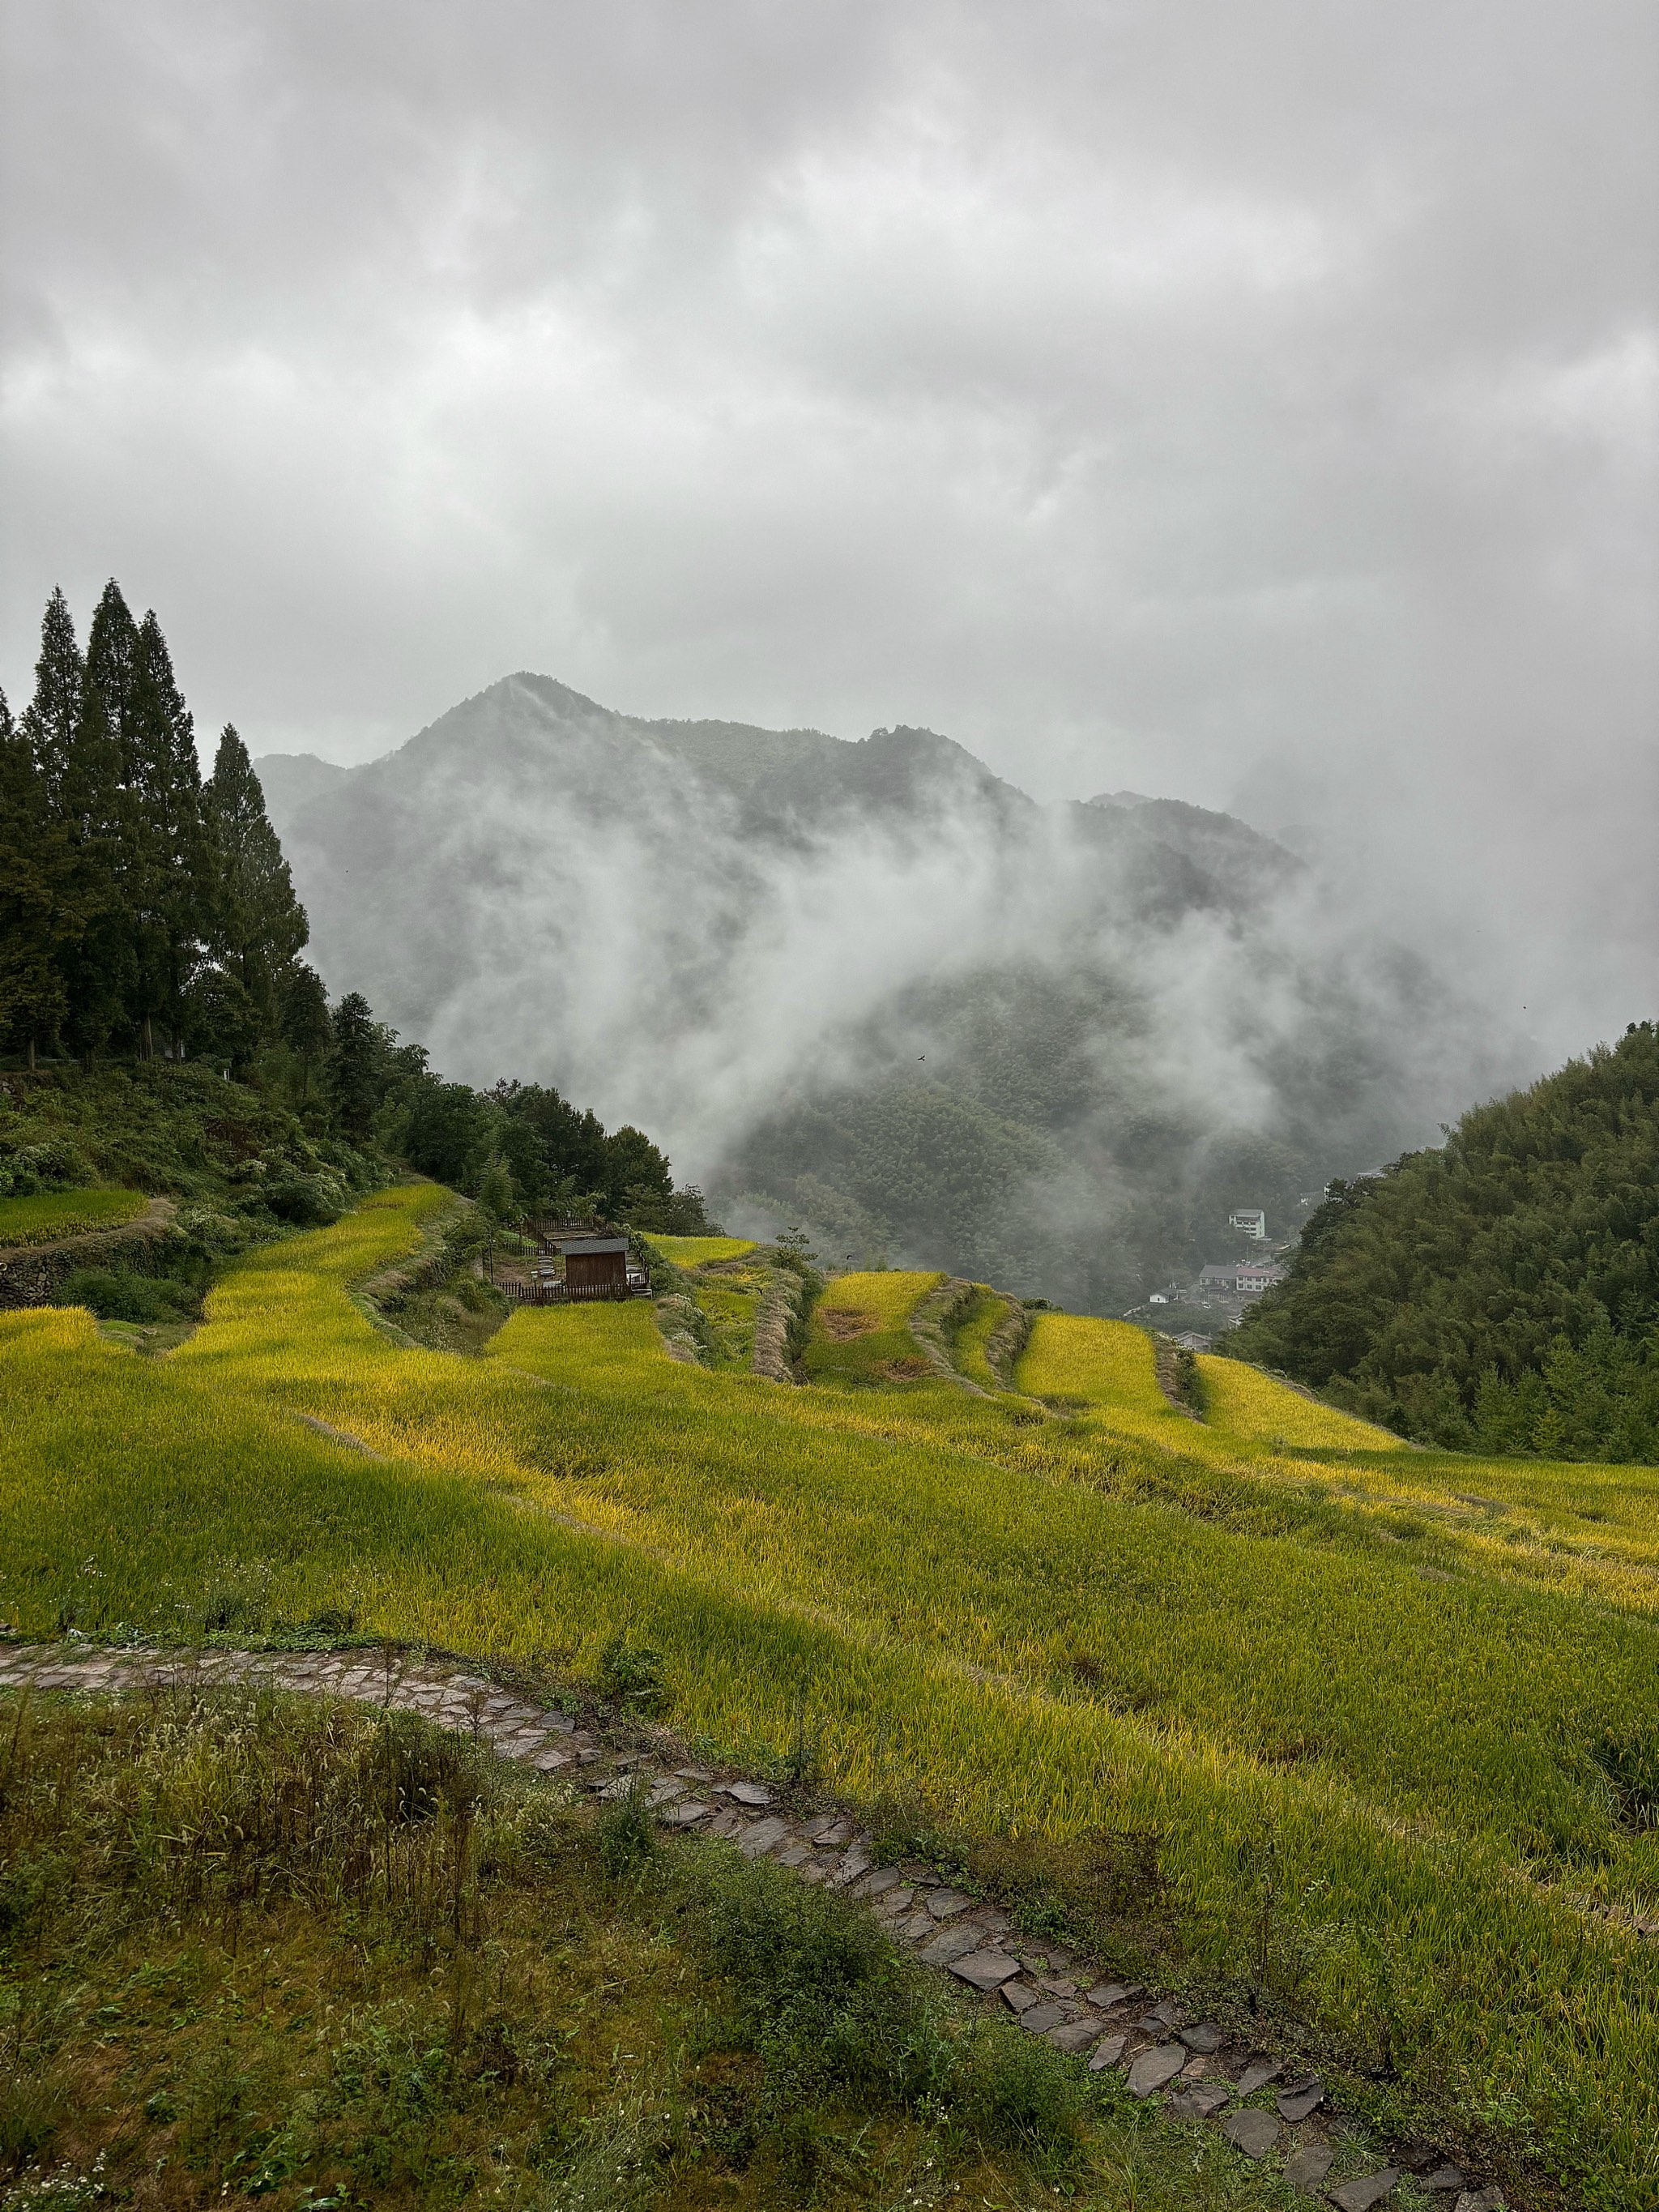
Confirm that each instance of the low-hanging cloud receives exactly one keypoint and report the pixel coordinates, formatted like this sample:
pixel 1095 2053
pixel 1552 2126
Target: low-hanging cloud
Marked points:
pixel 735 938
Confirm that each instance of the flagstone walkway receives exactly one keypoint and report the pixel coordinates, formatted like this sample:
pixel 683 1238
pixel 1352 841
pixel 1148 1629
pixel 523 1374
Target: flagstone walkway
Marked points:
pixel 1194 2069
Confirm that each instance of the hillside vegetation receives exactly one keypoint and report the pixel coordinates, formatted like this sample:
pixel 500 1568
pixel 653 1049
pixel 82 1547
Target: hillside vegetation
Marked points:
pixel 1502 1293
pixel 148 913
pixel 1311 1726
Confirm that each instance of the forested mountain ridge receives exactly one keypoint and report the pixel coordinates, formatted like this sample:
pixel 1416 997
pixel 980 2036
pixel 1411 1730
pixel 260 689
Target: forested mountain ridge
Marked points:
pixel 1238 860
pixel 873 987
pixel 1501 1293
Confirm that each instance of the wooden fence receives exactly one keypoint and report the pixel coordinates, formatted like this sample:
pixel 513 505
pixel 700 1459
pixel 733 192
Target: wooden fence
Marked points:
pixel 568 1294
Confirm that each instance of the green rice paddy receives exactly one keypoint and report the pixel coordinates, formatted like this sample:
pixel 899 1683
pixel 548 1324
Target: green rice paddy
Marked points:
pixel 1368 1705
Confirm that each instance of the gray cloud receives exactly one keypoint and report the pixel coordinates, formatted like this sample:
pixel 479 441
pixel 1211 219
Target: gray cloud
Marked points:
pixel 1255 404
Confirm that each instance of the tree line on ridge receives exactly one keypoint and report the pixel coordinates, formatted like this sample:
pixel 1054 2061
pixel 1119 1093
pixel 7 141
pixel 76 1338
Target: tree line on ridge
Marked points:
pixel 1500 1294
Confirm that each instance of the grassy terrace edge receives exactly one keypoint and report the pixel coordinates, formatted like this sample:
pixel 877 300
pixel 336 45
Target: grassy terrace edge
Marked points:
pixel 50 1214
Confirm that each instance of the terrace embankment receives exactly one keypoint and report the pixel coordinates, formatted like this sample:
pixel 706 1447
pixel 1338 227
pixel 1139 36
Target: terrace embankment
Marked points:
pixel 30 1274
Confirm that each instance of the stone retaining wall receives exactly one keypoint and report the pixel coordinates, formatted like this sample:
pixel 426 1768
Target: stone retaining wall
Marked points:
pixel 30 1274
pixel 680 1324
pixel 1007 1340
pixel 1167 1359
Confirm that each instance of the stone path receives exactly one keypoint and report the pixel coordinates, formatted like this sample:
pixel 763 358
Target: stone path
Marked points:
pixel 1196 2069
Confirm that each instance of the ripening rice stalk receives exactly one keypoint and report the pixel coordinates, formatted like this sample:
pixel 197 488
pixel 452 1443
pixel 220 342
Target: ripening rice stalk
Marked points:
pixel 1248 1403
pixel 700 1251
pixel 887 1296
pixel 51 1213
pixel 1091 1362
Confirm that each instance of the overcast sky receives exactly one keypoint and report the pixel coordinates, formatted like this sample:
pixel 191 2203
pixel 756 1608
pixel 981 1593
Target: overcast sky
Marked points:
pixel 1253 401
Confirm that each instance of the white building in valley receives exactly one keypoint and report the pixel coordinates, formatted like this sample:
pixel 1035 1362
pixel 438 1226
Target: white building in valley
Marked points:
pixel 1239 1279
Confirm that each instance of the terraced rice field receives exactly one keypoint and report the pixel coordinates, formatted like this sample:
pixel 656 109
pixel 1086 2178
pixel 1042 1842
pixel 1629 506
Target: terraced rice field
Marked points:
pixel 52 1213
pixel 1248 1403
pixel 859 1337
pixel 1073 1360
pixel 974 1332
pixel 1366 1725
pixel 727 1275
pixel 698 1251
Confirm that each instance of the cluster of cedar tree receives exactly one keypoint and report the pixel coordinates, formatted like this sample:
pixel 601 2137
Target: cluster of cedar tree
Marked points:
pixel 148 912
pixel 1501 1294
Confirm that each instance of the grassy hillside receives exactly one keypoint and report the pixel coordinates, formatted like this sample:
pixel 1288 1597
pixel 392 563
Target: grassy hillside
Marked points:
pixel 1502 1293
pixel 181 1130
pixel 1363 1733
pixel 85 1151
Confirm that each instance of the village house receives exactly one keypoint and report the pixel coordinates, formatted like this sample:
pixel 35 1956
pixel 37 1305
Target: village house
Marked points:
pixel 1239 1279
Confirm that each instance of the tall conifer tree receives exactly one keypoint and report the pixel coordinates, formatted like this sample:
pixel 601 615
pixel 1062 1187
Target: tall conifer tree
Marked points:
pixel 110 715
pixel 69 737
pixel 354 1066
pixel 174 852
pixel 33 856
pixel 259 926
pixel 111 669
pixel 306 1027
pixel 51 719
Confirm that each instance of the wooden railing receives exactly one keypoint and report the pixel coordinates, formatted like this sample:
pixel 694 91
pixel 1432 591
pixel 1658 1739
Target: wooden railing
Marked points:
pixel 571 1294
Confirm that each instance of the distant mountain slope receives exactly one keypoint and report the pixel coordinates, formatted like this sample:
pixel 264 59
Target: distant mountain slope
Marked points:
pixel 871 986
pixel 1504 1291
pixel 289 781
pixel 1249 865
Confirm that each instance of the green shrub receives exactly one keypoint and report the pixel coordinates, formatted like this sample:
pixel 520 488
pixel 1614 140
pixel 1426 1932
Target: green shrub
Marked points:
pixel 835 2013
pixel 116 1295
pixel 631 1673
pixel 627 1840
pixel 52 1165
pixel 308 1202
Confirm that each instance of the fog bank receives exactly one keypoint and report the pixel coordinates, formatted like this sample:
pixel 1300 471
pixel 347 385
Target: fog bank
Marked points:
pixel 875 983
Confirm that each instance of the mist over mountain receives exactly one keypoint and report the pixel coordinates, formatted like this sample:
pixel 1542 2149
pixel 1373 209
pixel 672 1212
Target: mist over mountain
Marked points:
pixel 875 989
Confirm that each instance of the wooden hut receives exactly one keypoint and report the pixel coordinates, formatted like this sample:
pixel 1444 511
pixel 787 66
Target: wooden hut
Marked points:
pixel 595 1267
